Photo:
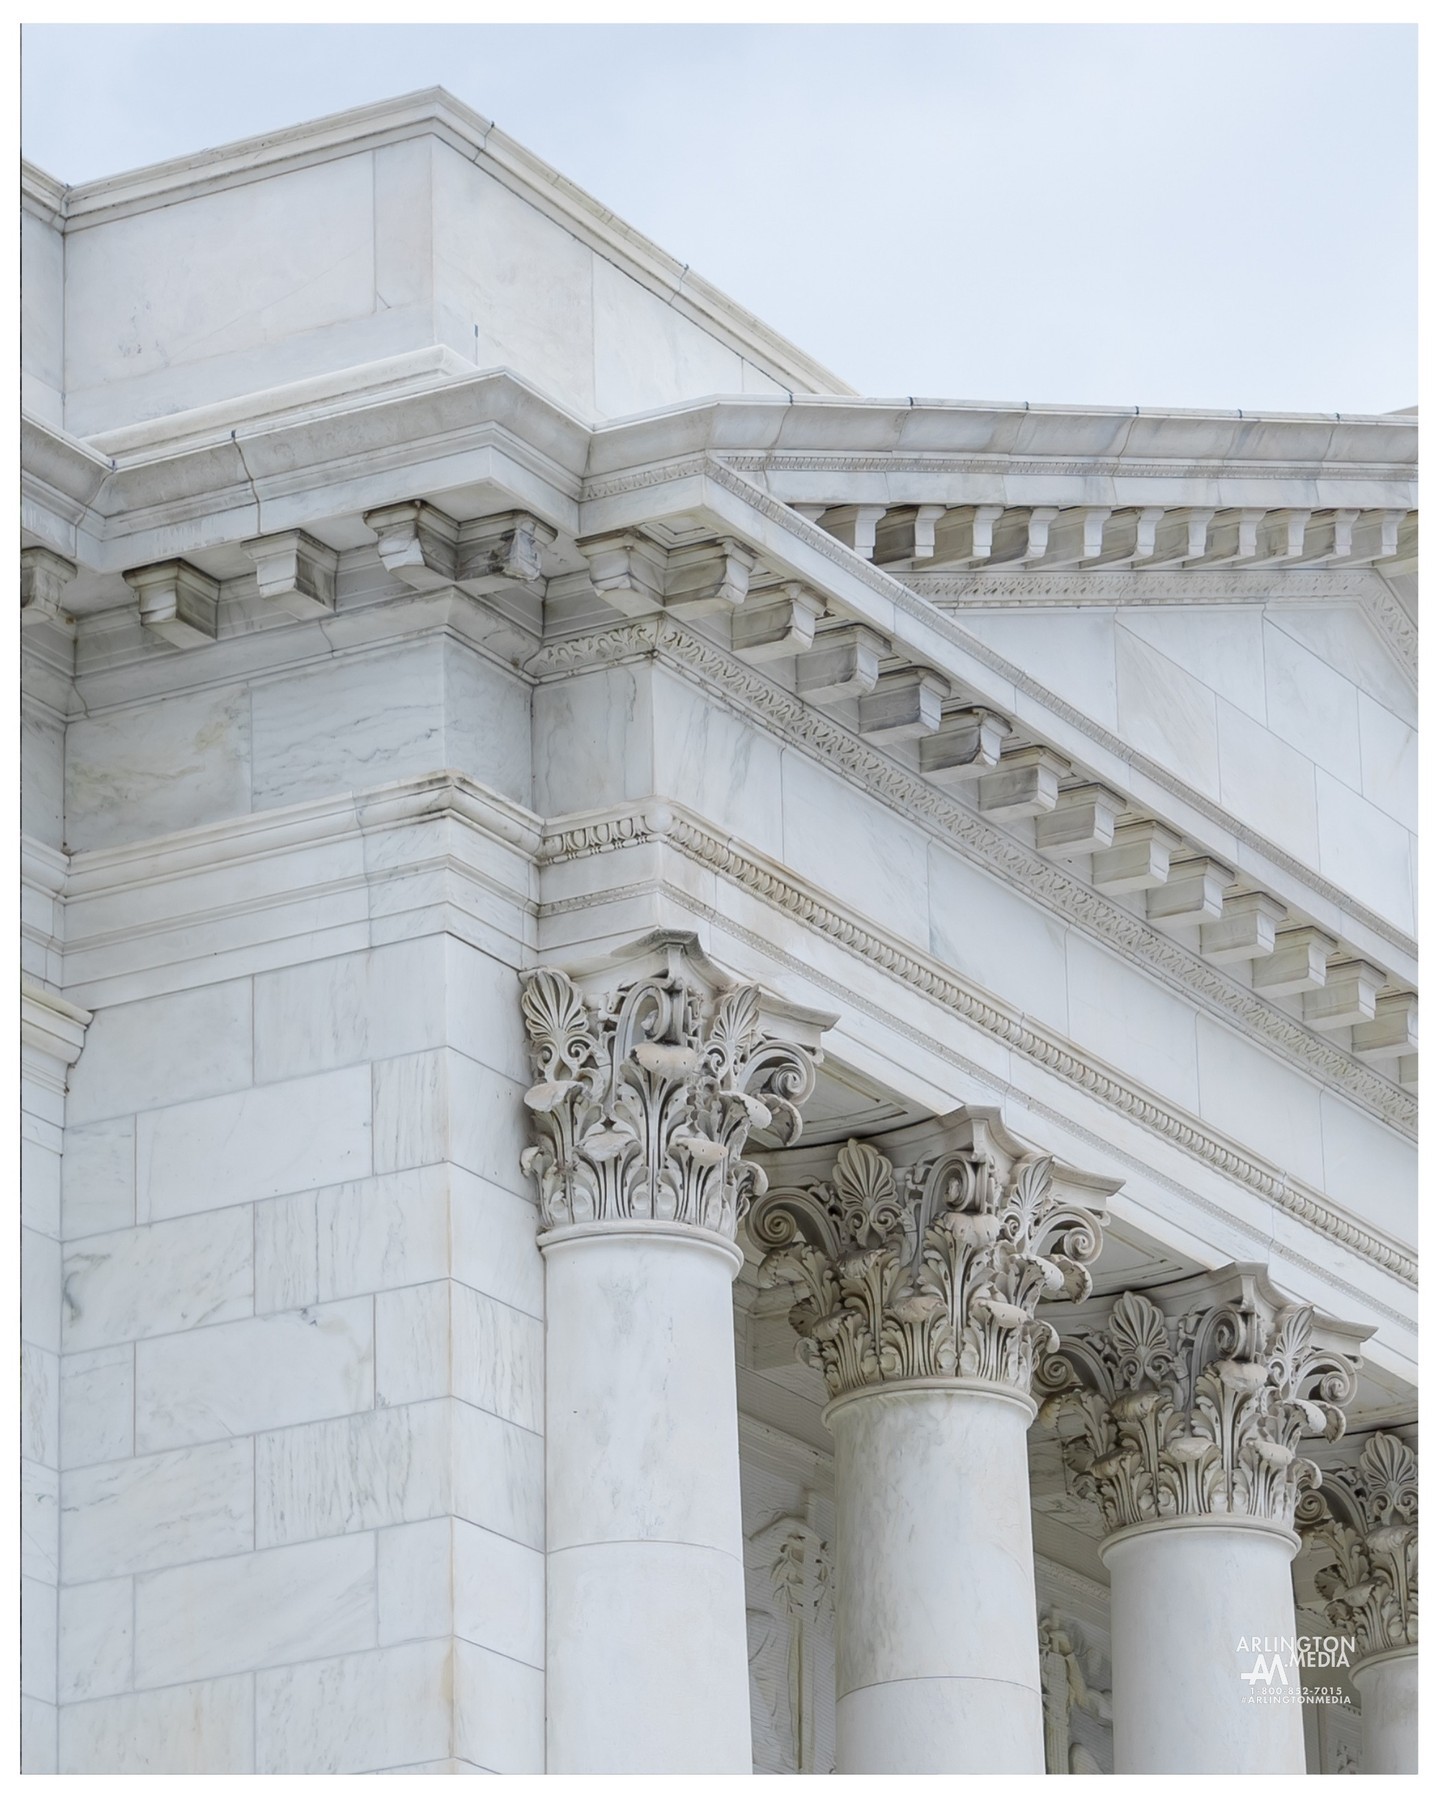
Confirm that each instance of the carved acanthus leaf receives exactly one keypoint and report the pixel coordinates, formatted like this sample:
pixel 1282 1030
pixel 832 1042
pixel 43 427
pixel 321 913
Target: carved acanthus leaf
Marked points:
pixel 1171 1418
pixel 644 1100
pixel 931 1271
pixel 1366 1518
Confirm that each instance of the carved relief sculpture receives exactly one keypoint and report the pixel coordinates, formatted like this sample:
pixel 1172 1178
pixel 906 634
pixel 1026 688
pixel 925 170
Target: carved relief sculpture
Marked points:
pixel 800 1598
pixel 1067 1690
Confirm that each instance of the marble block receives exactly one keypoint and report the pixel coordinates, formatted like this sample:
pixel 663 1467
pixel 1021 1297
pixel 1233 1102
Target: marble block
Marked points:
pixel 160 1278
pixel 96 1651
pixel 254 1375
pixel 499 1711
pixel 198 1728
pixel 264 1141
pixel 151 1512
pixel 97 1405
pixel 247 1612
pixel 380 1709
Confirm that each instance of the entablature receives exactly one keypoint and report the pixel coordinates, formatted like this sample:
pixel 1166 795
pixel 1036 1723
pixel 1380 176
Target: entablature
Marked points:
pixel 477 486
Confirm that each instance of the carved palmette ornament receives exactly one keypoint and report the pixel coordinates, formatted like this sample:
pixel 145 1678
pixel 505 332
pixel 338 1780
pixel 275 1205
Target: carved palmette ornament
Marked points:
pixel 1367 1519
pixel 931 1271
pixel 644 1100
pixel 1195 1416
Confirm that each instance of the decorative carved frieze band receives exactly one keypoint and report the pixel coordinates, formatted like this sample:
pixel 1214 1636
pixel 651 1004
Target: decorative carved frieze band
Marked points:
pixel 1312 1208
pixel 1198 1411
pixel 661 822
pixel 930 1271
pixel 1366 1517
pixel 1042 880
pixel 646 1096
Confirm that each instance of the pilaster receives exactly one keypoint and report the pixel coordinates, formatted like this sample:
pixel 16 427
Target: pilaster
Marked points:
pixel 52 1036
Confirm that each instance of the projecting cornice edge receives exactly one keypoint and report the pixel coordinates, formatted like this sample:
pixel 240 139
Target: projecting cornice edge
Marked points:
pixel 735 500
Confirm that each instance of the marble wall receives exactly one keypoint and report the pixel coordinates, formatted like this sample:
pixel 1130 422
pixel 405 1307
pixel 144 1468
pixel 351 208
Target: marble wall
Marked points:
pixel 356 720
pixel 42 1120
pixel 299 1377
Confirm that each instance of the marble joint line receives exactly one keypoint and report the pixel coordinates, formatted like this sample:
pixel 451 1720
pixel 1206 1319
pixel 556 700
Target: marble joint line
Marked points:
pixel 976 1008
pixel 1062 893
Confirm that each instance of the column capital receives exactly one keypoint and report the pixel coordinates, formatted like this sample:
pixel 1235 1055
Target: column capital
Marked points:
pixel 1189 1403
pixel 1365 1518
pixel 932 1271
pixel 652 1073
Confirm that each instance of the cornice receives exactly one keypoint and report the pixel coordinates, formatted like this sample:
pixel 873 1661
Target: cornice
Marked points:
pixel 1016 463
pixel 899 595
pixel 42 194
pixel 369 450
pixel 284 459
pixel 1022 869
pixel 871 436
pixel 976 1006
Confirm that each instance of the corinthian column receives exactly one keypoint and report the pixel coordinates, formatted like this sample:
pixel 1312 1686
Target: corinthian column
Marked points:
pixel 1182 1420
pixel 917 1290
pixel 645 1096
pixel 1366 1518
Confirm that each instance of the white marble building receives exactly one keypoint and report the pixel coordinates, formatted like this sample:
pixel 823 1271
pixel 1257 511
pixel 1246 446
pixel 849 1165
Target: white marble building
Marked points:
pixel 717 1075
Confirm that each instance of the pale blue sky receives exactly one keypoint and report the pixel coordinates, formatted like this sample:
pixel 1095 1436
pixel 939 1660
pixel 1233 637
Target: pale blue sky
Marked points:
pixel 1208 216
